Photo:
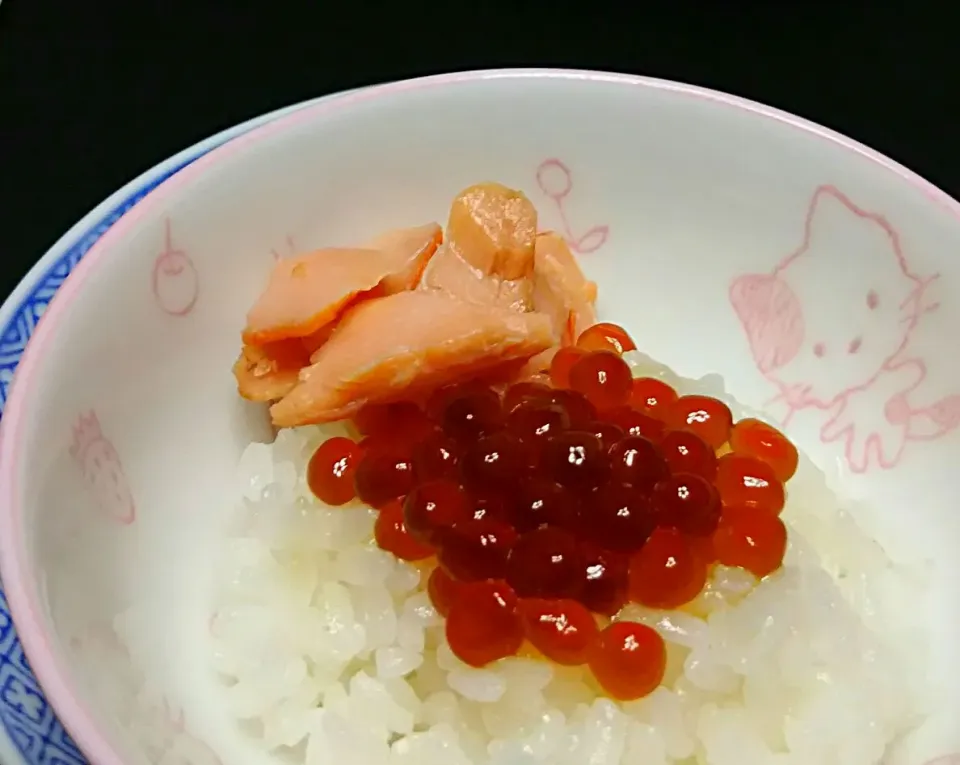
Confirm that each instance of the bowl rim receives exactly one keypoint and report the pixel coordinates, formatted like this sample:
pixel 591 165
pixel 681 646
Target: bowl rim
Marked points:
pixel 22 592
pixel 43 277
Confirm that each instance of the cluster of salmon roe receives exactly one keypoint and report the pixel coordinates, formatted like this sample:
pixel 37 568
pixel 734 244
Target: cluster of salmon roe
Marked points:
pixel 550 506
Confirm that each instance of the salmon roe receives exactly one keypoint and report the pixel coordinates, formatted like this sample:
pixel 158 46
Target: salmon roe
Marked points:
pixel 550 506
pixel 436 456
pixel 749 482
pixel 399 419
pixel 667 572
pixel 562 363
pixel 483 625
pixel 522 392
pixel 604 589
pixel 562 630
pixel 708 417
pixel 442 590
pixel 545 563
pixel 628 659
pixel 652 396
pixel 686 452
pixel 751 539
pixel 606 337
pixel 434 506
pixel 476 549
pixel 633 422
pixel 331 469
pixel 753 438
pixel 391 534
pixel 603 378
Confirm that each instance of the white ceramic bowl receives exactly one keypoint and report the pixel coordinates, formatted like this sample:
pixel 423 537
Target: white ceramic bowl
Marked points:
pixel 810 272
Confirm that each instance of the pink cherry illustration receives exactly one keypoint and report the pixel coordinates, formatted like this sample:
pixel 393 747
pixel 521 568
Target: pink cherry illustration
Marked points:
pixel 175 282
pixel 592 240
pixel 554 178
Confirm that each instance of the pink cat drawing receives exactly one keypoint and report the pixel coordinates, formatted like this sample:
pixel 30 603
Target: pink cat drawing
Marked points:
pixel 834 328
pixel 98 460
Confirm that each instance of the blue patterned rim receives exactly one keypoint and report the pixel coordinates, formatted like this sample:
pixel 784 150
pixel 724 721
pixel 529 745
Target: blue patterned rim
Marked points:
pixel 29 720
pixel 27 717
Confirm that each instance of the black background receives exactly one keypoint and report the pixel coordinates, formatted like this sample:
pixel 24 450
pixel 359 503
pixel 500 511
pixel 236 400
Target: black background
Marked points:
pixel 93 93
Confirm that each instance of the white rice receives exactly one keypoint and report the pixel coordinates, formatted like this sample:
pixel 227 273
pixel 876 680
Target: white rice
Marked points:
pixel 331 652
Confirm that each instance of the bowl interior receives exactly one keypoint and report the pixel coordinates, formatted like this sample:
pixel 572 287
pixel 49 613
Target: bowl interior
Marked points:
pixel 812 276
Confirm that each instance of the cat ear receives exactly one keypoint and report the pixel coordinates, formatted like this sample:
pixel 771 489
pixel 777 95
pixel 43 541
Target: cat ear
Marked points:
pixel 827 216
pixel 837 227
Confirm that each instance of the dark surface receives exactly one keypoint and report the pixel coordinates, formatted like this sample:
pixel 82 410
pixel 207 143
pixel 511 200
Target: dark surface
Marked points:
pixel 93 93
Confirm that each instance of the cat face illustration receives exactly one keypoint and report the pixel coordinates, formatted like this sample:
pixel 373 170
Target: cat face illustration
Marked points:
pixel 834 312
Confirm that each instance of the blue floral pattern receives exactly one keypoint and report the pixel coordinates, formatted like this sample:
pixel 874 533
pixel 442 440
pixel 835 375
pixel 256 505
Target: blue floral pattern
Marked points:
pixel 29 720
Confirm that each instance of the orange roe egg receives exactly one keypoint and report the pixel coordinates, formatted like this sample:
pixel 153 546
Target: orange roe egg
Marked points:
pixel 490 505
pixel 575 459
pixel 434 506
pixel 748 482
pixel 686 452
pixel 443 590
pixel 472 415
pixel 652 396
pixel 704 547
pixel 751 539
pixel 542 502
pixel 633 422
pixel 384 472
pixel 545 563
pixel 687 502
pixel 476 549
pixel 331 470
pixel 392 535
pixel 753 438
pixel 562 630
pixel 562 363
pixel 497 461
pixel 607 432
pixel 635 461
pixel 604 589
pixel 619 518
pixel 523 392
pixel 606 337
pixel 483 625
pixel 579 411
pixel 398 419
pixel 604 378
pixel 436 456
pixel 533 421
pixel 667 572
pixel 629 660
pixel 708 417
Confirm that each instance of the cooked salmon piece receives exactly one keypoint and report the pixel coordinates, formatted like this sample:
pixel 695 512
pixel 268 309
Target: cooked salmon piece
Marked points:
pixel 269 372
pixel 308 292
pixel 411 249
pixel 489 252
pixel 398 346
pixel 449 273
pixel 494 229
pixel 560 289
pixel 562 292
